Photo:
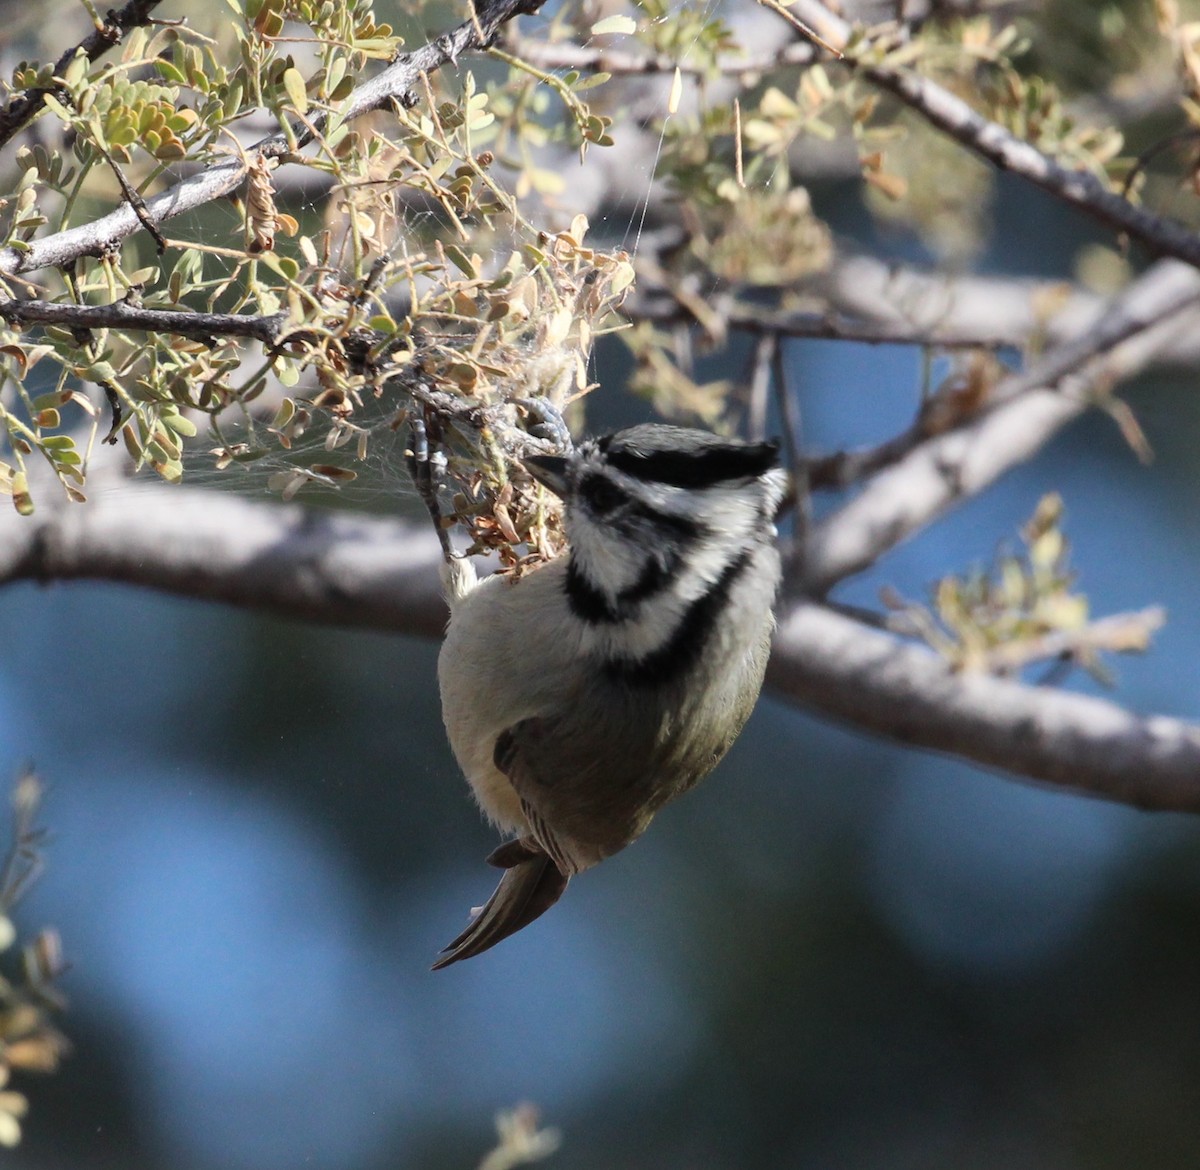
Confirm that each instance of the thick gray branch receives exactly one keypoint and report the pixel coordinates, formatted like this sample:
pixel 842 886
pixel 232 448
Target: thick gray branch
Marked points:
pixel 871 300
pixel 878 683
pixel 598 58
pixel 382 574
pixel 320 566
pixel 995 310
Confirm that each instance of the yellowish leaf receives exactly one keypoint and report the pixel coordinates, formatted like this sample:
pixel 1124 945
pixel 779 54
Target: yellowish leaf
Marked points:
pixel 614 24
pixel 293 83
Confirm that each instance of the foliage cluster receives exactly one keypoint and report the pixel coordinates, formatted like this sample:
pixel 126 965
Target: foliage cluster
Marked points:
pixel 1022 609
pixel 429 276
pixel 29 1001
pixel 445 270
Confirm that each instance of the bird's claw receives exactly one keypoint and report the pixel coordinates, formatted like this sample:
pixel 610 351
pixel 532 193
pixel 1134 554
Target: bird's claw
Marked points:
pixel 427 469
pixel 549 425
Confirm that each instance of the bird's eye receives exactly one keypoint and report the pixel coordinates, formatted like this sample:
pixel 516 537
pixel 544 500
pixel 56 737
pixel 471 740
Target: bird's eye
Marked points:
pixel 600 495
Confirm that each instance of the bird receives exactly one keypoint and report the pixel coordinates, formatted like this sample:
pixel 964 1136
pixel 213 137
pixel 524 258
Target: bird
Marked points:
pixel 584 695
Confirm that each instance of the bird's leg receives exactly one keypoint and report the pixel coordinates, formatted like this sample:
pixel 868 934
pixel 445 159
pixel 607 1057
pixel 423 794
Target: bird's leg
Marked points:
pixel 427 471
pixel 549 424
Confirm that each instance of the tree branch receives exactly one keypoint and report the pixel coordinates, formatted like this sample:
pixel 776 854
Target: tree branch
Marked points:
pixel 879 302
pixel 328 567
pixel 1033 406
pixel 122 315
pixel 952 115
pixel 1020 312
pixel 600 59
pixel 876 682
pixel 382 574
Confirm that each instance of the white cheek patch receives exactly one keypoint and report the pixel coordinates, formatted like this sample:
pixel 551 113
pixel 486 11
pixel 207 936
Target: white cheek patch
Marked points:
pixel 609 561
pixel 731 512
pixel 638 637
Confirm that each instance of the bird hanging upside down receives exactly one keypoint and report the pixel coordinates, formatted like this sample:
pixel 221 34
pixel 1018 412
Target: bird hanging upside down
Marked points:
pixel 581 697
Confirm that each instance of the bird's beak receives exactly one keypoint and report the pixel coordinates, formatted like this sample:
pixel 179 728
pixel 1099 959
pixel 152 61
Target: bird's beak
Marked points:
pixel 549 470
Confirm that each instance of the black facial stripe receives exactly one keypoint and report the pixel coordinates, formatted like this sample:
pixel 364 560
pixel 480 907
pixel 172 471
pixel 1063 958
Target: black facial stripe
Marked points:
pixel 682 528
pixel 698 468
pixel 588 603
pixel 601 495
pixel 680 652
pixel 596 607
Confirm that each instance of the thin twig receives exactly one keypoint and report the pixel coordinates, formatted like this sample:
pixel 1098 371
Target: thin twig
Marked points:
pixel 135 200
pixel 807 33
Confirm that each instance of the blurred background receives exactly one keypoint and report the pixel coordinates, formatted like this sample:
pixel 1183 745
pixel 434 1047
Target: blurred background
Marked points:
pixel 834 953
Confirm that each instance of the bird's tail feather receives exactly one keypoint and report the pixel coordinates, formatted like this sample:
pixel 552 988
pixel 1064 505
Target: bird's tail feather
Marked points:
pixel 531 884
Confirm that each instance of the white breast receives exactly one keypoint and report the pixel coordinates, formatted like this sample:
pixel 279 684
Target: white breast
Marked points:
pixel 510 649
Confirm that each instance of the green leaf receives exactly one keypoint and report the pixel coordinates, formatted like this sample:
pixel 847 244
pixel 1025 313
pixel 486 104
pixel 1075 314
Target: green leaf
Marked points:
pixel 168 71
pixel 56 107
pixel 293 83
pixel 180 425
pixel 76 70
pixel 462 261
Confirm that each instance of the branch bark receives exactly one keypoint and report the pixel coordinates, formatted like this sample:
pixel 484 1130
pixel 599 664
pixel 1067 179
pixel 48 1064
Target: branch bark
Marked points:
pixel 878 683
pixel 995 310
pixel 122 315
pixel 381 574
pixel 1033 407
pixel 563 55
pixel 333 568
pixel 878 302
